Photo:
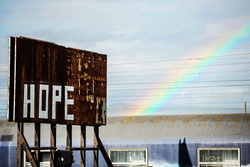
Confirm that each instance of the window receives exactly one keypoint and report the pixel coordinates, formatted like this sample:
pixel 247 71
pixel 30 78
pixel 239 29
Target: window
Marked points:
pixel 128 157
pixel 45 159
pixel 218 157
pixel 6 138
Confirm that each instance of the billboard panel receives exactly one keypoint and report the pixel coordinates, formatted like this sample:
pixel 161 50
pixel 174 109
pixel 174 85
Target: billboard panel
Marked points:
pixel 49 83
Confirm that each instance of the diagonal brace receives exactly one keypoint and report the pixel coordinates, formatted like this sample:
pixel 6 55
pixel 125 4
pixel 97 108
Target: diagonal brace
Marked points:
pixel 26 148
pixel 103 151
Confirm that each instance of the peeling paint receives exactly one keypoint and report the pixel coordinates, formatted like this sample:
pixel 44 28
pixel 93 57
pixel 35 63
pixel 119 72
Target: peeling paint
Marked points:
pixel 100 109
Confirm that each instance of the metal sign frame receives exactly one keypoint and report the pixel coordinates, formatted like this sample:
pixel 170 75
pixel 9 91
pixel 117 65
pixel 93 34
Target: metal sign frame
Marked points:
pixel 49 83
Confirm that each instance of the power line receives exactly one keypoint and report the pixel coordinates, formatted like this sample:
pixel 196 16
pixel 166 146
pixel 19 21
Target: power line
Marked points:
pixel 231 104
pixel 159 61
pixel 199 98
pixel 179 67
pixel 143 83
pixel 178 74
pixel 164 88
pixel 139 106
pixel 121 94
pixel 236 106
pixel 184 95
pixel 174 103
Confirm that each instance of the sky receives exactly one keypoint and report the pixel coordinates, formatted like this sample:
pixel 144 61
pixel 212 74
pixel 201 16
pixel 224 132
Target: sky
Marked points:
pixel 164 57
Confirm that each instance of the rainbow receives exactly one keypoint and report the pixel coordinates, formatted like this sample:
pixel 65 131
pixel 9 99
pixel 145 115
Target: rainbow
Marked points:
pixel 221 47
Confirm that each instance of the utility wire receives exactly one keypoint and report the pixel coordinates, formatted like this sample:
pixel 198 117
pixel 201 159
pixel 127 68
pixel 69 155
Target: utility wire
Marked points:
pixel 167 105
pixel 188 108
pixel 179 74
pixel 179 67
pixel 137 105
pixel 198 98
pixel 159 61
pixel 159 93
pixel 143 83
pixel 164 88
pixel 184 95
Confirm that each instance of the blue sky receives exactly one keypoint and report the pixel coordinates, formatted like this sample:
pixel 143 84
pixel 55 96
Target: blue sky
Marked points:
pixel 133 31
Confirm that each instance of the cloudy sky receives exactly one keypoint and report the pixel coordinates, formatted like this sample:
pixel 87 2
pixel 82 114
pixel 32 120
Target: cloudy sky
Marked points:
pixel 164 57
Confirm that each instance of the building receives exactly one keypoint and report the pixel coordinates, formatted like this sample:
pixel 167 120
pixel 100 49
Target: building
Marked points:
pixel 159 141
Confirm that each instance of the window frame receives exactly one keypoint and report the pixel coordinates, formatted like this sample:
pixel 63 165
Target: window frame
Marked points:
pixel 129 149
pixel 26 163
pixel 218 163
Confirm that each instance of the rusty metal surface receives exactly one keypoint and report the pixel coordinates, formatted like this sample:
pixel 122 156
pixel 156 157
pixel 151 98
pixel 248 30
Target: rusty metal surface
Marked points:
pixel 41 66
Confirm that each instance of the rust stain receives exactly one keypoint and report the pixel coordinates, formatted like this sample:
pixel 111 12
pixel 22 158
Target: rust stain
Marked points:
pixel 186 122
pixel 218 122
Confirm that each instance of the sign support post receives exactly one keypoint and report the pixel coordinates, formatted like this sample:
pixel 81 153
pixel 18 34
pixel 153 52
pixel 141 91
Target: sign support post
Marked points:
pixel 69 137
pixel 37 139
pixel 52 144
pixel 19 146
pixel 83 145
pixel 96 152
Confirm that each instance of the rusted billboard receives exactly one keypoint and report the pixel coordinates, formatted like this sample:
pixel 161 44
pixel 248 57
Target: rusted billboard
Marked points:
pixel 49 83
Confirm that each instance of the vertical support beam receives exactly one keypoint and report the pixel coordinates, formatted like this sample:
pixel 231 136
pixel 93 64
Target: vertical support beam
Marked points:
pixel 52 144
pixel 245 107
pixel 37 142
pixel 19 146
pixel 83 145
pixel 69 137
pixel 96 152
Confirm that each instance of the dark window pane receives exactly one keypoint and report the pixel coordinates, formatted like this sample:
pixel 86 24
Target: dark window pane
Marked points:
pixel 218 165
pixel 45 156
pixel 128 157
pixel 113 156
pixel 6 137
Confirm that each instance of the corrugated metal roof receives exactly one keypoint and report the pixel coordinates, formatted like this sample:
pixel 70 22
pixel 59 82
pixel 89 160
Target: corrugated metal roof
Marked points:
pixel 209 128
